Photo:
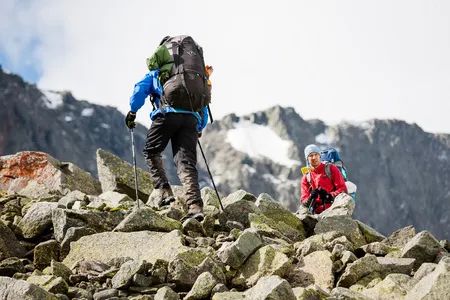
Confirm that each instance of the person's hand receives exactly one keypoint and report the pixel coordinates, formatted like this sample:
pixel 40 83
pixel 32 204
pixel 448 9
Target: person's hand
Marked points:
pixel 314 193
pixel 325 196
pixel 129 120
pixel 312 197
pixel 199 134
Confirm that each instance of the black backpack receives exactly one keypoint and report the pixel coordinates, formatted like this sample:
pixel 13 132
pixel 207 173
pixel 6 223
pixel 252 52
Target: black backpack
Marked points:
pixel 187 87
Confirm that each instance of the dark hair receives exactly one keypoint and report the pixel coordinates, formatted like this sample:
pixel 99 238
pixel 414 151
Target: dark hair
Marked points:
pixel 164 40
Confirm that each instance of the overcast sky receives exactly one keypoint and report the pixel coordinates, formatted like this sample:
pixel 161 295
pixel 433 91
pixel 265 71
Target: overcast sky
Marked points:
pixel 332 60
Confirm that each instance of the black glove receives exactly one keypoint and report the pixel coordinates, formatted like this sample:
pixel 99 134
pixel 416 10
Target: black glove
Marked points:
pixel 129 120
pixel 325 196
pixel 312 197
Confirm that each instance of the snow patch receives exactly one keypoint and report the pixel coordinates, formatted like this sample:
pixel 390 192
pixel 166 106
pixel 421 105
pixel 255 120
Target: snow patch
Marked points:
pixel 271 178
pixel 394 141
pixel 249 169
pixel 260 141
pixel 68 118
pixel 52 100
pixel 325 138
pixel 87 112
pixel 104 125
pixel 443 156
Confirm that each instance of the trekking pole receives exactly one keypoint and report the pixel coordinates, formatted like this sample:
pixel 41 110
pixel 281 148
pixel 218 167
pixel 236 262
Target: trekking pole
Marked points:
pixel 135 169
pixel 212 180
pixel 210 114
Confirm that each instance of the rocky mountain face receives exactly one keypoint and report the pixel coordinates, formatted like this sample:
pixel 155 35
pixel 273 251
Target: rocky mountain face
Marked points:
pixel 401 171
pixel 59 124
pixel 66 235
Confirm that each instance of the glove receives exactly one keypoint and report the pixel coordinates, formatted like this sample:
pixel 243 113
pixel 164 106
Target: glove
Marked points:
pixel 199 134
pixel 129 120
pixel 312 197
pixel 325 196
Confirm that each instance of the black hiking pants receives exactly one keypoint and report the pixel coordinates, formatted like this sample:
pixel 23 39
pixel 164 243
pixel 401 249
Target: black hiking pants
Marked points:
pixel 181 130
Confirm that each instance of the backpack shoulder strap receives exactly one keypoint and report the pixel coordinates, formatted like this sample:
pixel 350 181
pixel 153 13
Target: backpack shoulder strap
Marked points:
pixel 308 177
pixel 328 170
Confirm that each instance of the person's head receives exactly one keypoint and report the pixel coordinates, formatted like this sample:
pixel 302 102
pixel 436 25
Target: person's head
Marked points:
pixel 312 155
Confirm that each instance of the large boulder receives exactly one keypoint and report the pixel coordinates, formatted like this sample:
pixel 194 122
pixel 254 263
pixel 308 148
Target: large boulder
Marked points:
pixel 37 175
pixel 238 206
pixel 202 287
pixel 423 247
pixel 19 289
pixel 147 219
pixel 320 267
pixel 50 283
pixel 142 245
pixel 38 219
pixel 343 225
pixel 270 287
pixel 370 234
pixel 435 285
pixel 44 253
pixel 358 269
pixel 9 245
pixel 275 211
pixel 396 265
pixel 394 286
pixel 63 219
pixel 235 254
pixel 183 269
pixel 126 272
pixel 264 262
pixel 343 205
pixel 275 229
pixel 118 175
pixel 400 237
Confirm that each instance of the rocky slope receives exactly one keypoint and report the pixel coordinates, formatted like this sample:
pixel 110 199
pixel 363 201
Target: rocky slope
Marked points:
pixel 401 171
pixel 65 235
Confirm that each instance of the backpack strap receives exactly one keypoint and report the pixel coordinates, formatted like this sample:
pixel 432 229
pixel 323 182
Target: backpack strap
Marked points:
pixel 328 171
pixel 308 177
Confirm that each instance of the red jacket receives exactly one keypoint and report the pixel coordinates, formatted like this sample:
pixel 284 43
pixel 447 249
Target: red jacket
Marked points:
pixel 319 178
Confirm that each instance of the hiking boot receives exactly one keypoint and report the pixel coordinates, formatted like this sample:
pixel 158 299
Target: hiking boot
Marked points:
pixel 195 211
pixel 166 197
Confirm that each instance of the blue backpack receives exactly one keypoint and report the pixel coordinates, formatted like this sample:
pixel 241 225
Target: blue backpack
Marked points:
pixel 331 156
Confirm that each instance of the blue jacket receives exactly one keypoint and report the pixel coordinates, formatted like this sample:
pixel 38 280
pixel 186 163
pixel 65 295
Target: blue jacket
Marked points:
pixel 150 85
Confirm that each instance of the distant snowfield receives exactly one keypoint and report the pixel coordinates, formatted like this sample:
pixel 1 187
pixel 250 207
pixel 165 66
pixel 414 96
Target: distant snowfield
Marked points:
pixel 52 100
pixel 260 141
pixel 87 112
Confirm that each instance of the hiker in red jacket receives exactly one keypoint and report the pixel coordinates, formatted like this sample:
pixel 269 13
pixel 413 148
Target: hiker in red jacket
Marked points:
pixel 316 187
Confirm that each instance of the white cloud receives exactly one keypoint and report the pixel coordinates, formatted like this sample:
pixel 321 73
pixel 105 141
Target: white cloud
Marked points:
pixel 331 60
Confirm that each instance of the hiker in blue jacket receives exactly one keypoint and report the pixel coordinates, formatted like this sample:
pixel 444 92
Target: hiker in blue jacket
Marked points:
pixel 183 128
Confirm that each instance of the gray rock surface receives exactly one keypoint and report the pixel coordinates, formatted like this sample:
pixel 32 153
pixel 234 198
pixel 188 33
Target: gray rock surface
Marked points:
pixel 271 287
pixel 142 245
pixel 235 254
pixel 19 289
pixel 423 247
pixel 9 245
pixel 147 219
pixel 118 175
pixel 37 219
pixel 434 285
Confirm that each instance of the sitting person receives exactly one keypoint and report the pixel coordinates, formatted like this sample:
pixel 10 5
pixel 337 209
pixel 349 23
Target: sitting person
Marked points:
pixel 318 190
